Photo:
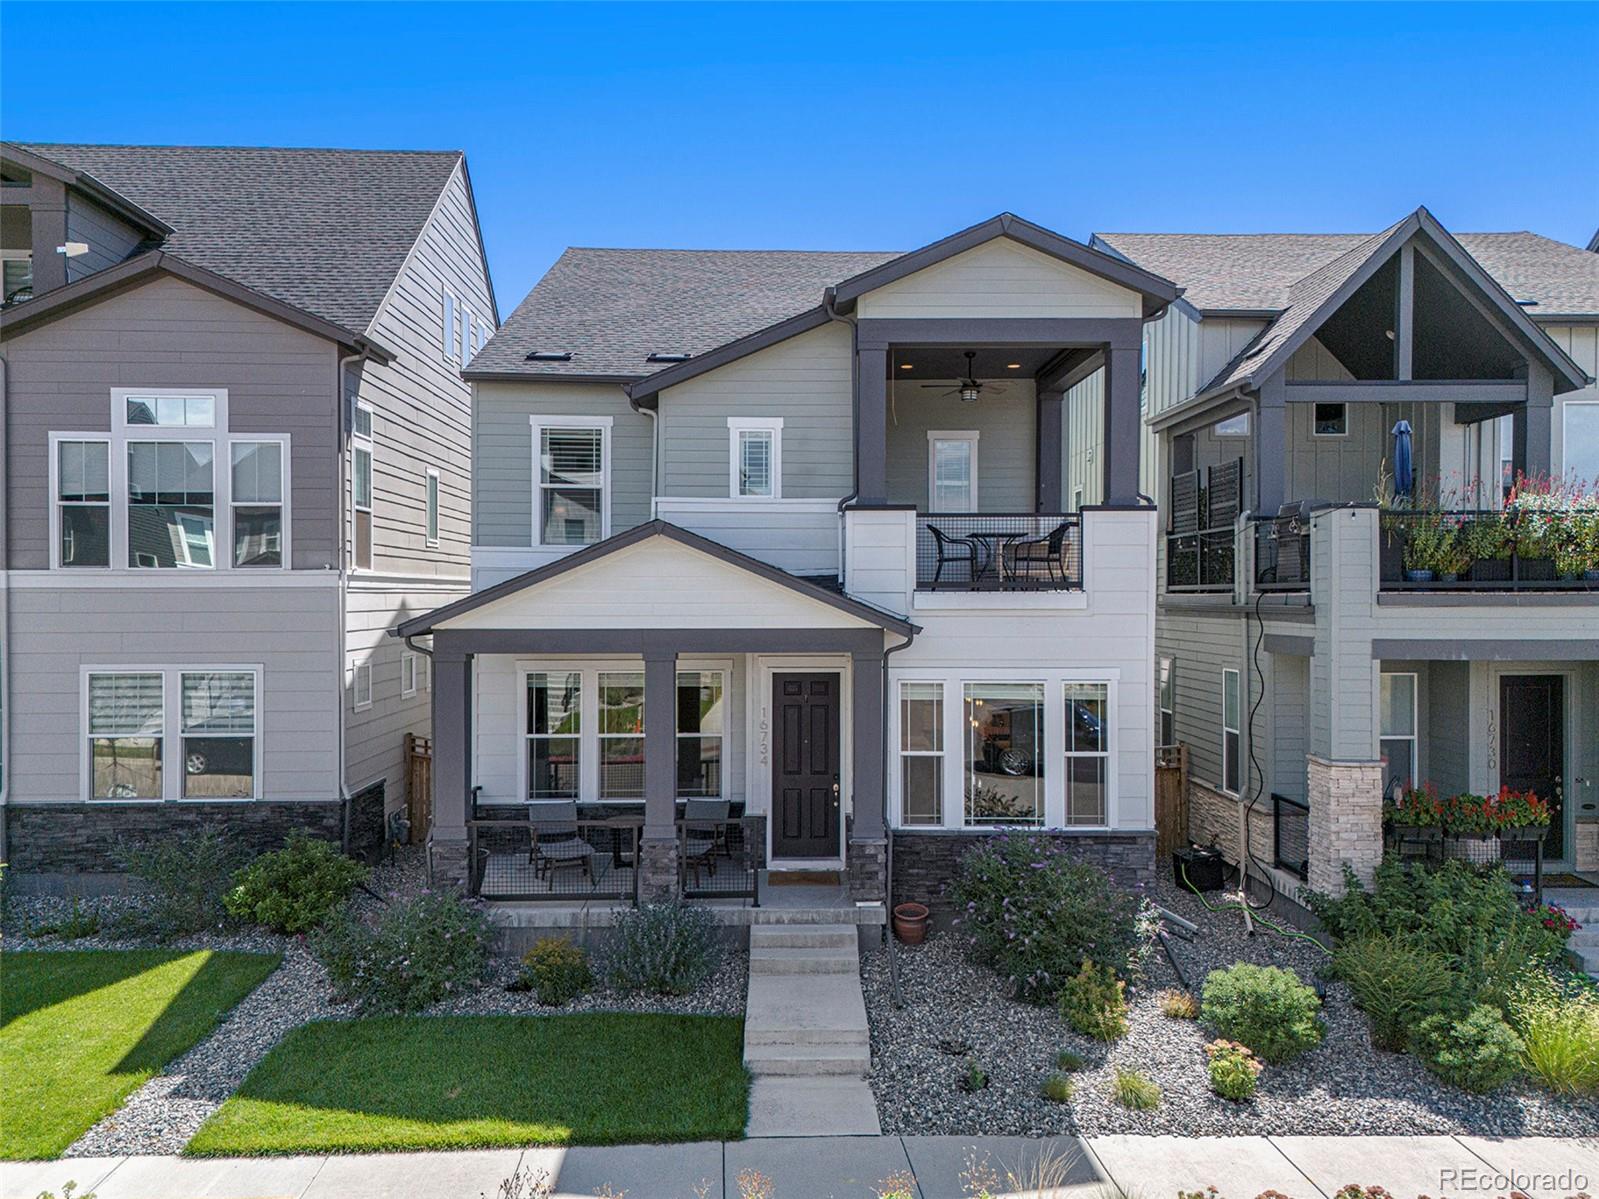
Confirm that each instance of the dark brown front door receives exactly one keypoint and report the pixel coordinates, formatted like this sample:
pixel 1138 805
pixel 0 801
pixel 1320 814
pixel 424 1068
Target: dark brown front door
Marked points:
pixel 805 761
pixel 1532 743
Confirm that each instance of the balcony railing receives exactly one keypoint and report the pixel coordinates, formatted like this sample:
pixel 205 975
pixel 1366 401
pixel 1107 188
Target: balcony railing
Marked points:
pixel 1282 553
pixel 513 858
pixel 1290 837
pixel 1471 550
pixel 1200 540
pixel 971 551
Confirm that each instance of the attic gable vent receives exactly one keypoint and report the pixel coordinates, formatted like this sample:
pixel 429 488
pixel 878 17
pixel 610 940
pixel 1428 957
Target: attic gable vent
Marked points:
pixel 668 357
pixel 549 356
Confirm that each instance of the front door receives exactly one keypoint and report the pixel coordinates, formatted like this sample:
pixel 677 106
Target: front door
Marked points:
pixel 1532 744
pixel 805 762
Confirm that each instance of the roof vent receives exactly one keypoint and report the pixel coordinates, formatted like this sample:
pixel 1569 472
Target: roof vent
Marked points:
pixel 550 356
pixel 668 357
pixel 1527 303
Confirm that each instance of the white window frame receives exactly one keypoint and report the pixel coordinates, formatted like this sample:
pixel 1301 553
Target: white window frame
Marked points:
pixel 172 753
pixel 538 425
pixel 1219 429
pixel 464 348
pixel 282 442
pixel 1105 754
pixel 1166 693
pixel 1342 407
pixel 1566 468
pixel 1236 731
pixel 1414 736
pixel 902 753
pixel 934 436
pixel 359 672
pixel 408 668
pixel 111 506
pixel 430 507
pixel 724 676
pixel 737 426
pixel 449 309
pixel 364 443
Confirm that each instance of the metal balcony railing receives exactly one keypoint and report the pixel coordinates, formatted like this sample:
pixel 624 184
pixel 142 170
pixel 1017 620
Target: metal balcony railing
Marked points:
pixel 1484 550
pixel 981 551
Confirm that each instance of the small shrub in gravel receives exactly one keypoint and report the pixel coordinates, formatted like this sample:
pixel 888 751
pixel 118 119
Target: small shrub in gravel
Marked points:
pixel 1476 1052
pixel 1094 1002
pixel 1397 985
pixel 1560 1032
pixel 1058 1087
pixel 556 971
pixel 296 888
pixel 1134 1092
pixel 419 951
pixel 974 1078
pixel 1034 914
pixel 1068 1061
pixel 77 924
pixel 186 878
pixel 1178 1005
pixel 1265 1007
pixel 1233 1070
pixel 668 948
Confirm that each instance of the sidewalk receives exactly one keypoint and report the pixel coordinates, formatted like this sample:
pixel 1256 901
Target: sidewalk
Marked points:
pixel 850 1167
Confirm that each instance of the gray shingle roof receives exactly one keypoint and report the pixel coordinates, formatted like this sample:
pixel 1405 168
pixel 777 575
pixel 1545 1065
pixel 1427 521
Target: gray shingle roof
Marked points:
pixel 324 230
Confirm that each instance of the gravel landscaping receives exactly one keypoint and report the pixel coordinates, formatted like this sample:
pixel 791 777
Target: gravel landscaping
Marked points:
pixel 1343 1087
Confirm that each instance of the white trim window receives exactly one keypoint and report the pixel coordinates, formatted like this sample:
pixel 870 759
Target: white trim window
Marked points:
pixel 554 734
pixel 1086 738
pixel 1579 428
pixel 1398 728
pixel 430 502
pixel 361 686
pixel 572 480
pixel 218 725
pixel 448 309
pixel 1004 768
pixel 1329 420
pixel 701 724
pixel 921 753
pixel 125 716
pixel 257 501
pixel 132 716
pixel 755 457
pixel 621 734
pixel 1232 426
pixel 17 269
pixel 82 490
pixel 361 452
pixel 1231 734
pixel 1167 681
pixel 172 504
pixel 952 470
pixel 408 663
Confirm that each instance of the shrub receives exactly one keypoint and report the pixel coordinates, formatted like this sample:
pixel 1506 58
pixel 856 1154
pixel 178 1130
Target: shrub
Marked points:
pixel 77 924
pixel 1396 984
pixel 1560 1036
pixel 1178 1005
pixel 668 948
pixel 1233 1070
pixel 1132 1090
pixel 186 878
pixel 1264 1007
pixel 1058 1087
pixel 1035 915
pixel 295 888
pixel 973 1078
pixel 1477 1052
pixel 417 952
pixel 1094 1002
pixel 557 971
pixel 1068 1061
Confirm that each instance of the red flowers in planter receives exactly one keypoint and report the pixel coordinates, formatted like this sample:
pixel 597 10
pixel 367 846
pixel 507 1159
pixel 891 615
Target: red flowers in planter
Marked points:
pixel 1468 815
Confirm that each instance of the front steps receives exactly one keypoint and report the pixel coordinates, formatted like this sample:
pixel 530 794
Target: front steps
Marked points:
pixel 805 1034
pixel 1585 941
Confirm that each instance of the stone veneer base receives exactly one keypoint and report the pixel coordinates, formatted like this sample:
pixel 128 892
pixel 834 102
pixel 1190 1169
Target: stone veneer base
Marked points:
pixel 926 861
pixel 1345 821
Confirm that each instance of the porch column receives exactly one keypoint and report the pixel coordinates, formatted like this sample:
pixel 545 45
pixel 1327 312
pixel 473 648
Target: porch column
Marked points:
pixel 867 853
pixel 452 768
pixel 658 852
pixel 1532 425
pixel 871 424
pixel 1270 444
pixel 1122 419
pixel 1051 420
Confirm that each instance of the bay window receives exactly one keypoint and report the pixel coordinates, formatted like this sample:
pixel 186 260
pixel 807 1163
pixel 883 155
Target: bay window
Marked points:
pixel 554 728
pixel 921 753
pixel 700 717
pixel 571 505
pixel 134 717
pixel 83 503
pixel 1087 742
pixel 1004 770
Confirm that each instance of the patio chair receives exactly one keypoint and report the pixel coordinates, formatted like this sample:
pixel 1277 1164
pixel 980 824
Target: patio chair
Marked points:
pixel 1048 551
pixel 953 550
pixel 556 841
pixel 704 828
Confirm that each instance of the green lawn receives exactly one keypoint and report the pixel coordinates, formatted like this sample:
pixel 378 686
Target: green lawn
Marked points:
pixel 80 1030
pixel 452 1082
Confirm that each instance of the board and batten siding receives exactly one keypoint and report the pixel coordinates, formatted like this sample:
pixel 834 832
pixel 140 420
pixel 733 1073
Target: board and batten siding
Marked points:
pixel 169 333
pixel 1581 342
pixel 110 238
pixel 1006 424
pixel 1000 278
pixel 1084 442
pixel 503 454
pixel 807 380
pixel 291 632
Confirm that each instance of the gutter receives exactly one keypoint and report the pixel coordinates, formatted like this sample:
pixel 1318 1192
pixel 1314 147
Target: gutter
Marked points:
pixel 346 533
pixel 830 305
pixel 895 996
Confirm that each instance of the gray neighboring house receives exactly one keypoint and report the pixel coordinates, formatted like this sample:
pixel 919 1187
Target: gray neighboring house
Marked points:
pixel 1303 669
pixel 237 449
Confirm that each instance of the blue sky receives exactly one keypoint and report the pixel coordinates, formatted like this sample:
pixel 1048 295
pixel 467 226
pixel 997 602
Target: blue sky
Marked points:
pixel 864 127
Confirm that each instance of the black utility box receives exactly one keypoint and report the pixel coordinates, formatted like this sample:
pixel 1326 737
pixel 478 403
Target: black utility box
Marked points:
pixel 1203 869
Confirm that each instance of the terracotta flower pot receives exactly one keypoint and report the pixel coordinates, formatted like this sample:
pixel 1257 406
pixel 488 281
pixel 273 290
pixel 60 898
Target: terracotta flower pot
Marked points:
pixel 910 922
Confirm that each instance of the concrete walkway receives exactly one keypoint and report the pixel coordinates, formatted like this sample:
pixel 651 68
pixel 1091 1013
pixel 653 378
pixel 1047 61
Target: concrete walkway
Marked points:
pixel 1118 1167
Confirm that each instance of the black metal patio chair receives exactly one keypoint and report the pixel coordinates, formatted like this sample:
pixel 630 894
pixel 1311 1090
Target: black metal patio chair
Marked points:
pixel 1048 551
pixel 556 842
pixel 951 551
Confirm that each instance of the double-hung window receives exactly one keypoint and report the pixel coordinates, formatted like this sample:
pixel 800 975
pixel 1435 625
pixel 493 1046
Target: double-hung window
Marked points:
pixel 1087 742
pixel 135 718
pixel 1398 737
pixel 361 485
pixel 361 686
pixel 701 715
pixel 127 726
pixel 921 753
pixel 218 729
pixel 554 734
pixel 257 503
pixel 571 500
pixel 1168 702
pixel 952 471
pixel 83 502
pixel 1231 724
pixel 755 463
pixel 621 734
pixel 431 500
pixel 1004 775
pixel 408 662
pixel 448 311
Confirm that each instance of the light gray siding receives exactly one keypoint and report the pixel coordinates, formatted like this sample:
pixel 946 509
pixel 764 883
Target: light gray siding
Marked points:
pixel 110 238
pixel 1006 425
pixel 1085 442
pixel 1447 730
pixel 1582 343
pixel 1201 645
pixel 1285 716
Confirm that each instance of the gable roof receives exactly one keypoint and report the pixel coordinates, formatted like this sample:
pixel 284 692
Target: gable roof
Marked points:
pixel 422 625
pixel 326 231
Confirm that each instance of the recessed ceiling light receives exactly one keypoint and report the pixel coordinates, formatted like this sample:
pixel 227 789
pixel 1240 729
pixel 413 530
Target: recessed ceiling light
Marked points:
pixel 905 366
pixel 1013 366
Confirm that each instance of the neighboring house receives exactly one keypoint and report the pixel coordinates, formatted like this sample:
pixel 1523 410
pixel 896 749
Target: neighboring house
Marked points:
pixel 237 449
pixel 1298 662
pixel 787 531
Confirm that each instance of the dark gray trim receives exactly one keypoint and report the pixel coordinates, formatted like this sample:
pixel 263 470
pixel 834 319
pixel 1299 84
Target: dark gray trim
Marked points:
pixel 1471 414
pixel 660 741
pixel 1593 243
pixel 1290 643
pixel 856 506
pixel 649 642
pixel 1157 292
pixel 1405 315
pixel 1069 368
pixel 1408 391
pixel 1121 431
pixel 1292 608
pixel 1488 649
pixel 1201 411
pixel 1048 468
pixel 1489 599
pixel 681 372
pixel 871 423
pixel 472 376
pixel 452 741
pixel 655 528
pixel 866 745
pixel 1268 442
pixel 1125 332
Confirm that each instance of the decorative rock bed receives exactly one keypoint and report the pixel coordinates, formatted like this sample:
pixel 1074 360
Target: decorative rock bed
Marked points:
pixel 1342 1087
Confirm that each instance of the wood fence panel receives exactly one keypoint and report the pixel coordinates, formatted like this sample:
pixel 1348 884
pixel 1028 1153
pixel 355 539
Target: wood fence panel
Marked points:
pixel 1171 799
pixel 419 785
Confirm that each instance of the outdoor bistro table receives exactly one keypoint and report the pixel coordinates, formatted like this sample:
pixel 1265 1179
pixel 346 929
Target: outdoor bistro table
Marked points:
pixel 993 546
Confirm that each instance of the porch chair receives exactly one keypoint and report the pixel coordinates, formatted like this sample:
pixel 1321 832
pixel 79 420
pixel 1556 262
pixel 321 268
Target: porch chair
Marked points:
pixel 1048 551
pixel 556 841
pixel 704 823
pixel 953 550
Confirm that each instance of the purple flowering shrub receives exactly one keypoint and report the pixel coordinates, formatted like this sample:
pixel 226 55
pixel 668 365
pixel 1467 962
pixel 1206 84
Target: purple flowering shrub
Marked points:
pixel 415 953
pixel 1035 915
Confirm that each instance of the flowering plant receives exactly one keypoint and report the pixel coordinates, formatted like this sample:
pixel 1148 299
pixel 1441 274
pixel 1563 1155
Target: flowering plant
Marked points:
pixel 1521 809
pixel 1468 815
pixel 1556 518
pixel 1556 919
pixel 1418 806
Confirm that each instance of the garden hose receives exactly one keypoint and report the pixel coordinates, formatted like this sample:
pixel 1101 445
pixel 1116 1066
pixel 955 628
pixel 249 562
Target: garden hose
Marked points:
pixel 1254 914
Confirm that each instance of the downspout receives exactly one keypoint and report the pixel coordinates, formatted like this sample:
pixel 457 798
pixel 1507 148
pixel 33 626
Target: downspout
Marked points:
pixel 655 444
pixel 346 532
pixel 895 997
pixel 5 604
pixel 831 308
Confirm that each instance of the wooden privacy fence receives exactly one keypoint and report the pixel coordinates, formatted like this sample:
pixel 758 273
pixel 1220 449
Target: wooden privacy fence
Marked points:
pixel 1171 799
pixel 418 785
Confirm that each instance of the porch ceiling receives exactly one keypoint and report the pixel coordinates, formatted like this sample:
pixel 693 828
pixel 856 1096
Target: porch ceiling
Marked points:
pixel 949 362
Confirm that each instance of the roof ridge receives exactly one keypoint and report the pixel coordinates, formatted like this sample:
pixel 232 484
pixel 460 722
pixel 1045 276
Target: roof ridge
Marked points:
pixel 711 250
pixel 225 146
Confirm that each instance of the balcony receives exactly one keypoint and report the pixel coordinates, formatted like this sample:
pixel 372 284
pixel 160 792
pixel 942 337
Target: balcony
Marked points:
pixel 1028 551
pixel 1488 551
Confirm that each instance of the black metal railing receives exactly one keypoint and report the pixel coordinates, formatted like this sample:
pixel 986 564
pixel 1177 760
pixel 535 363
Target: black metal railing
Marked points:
pixel 519 859
pixel 1282 553
pixel 1477 550
pixel 982 551
pixel 1290 837
pixel 721 859
pixel 1202 561
pixel 1201 518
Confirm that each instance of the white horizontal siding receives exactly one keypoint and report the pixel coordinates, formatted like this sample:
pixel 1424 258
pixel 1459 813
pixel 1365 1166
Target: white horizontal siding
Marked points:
pixel 1001 278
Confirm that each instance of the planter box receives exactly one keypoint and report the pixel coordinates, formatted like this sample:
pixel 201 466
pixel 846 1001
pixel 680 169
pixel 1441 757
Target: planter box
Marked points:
pixel 1472 849
pixel 1490 570
pixel 1430 833
pixel 1530 833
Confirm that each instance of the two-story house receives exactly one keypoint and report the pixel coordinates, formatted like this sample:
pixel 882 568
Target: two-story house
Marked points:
pixel 1303 662
pixel 236 451
pixel 782 536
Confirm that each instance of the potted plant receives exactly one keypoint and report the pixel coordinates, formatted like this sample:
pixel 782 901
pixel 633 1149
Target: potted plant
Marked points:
pixel 1537 510
pixel 1522 815
pixel 910 922
pixel 1469 818
pixel 1417 815
pixel 1485 547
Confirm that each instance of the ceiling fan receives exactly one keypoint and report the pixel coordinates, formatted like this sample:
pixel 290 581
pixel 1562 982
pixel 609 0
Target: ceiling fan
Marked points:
pixel 970 388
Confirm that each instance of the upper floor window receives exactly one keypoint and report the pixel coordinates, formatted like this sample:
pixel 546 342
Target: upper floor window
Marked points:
pixel 571 494
pixel 172 411
pixel 361 485
pixel 18 283
pixel 431 500
pixel 1233 426
pixel 1580 443
pixel 448 310
pixel 83 503
pixel 258 503
pixel 755 448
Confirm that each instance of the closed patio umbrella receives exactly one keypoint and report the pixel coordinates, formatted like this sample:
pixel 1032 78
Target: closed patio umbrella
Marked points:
pixel 1404 477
